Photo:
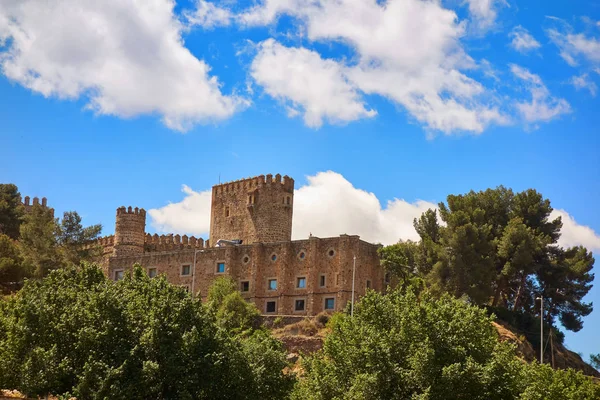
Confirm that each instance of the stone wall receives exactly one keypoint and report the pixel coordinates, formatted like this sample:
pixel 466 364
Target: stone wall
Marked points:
pixel 130 231
pixel 253 210
pixel 256 264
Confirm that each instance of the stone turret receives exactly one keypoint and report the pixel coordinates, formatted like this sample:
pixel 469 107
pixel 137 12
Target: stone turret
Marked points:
pixel 253 210
pixel 130 231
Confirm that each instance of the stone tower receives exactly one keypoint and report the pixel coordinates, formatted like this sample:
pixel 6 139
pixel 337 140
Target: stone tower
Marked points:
pixel 130 231
pixel 253 210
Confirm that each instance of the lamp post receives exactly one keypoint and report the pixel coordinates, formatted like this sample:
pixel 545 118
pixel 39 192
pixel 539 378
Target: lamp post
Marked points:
pixel 194 270
pixel 541 330
pixel 353 275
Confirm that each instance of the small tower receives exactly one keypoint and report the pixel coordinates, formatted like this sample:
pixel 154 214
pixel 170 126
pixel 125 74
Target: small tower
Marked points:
pixel 130 231
pixel 253 210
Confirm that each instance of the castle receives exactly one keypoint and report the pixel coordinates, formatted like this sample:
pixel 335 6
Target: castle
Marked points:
pixel 250 241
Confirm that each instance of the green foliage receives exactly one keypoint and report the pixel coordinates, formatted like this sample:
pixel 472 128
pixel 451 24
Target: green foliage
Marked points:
pixel 237 315
pixel 401 346
pixel 11 210
pixel 75 240
pixel 38 241
pixel 75 332
pixel 595 361
pixel 221 287
pixel 499 248
pixel 12 270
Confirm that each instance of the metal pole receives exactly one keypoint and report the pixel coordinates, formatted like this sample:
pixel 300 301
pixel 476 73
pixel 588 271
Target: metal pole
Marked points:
pixel 353 275
pixel 541 330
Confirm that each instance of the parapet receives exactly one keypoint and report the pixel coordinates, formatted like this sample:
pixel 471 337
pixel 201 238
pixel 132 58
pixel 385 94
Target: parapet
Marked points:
pixel 285 183
pixel 36 201
pixel 172 242
pixel 129 210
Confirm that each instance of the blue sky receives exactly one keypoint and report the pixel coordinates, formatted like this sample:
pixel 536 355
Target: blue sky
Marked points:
pixel 378 110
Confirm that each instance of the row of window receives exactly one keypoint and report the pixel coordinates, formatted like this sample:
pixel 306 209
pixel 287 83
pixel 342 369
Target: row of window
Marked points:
pixel 299 305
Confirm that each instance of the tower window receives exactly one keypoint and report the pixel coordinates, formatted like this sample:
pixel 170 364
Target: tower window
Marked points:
pixel 274 257
pixel 322 281
pixel 331 253
pixel 302 255
pixel 245 286
pixel 300 305
pixel 220 268
pixel 185 270
pixel 271 307
pixel 288 200
pixel 301 283
pixel 368 284
pixel 329 303
pixel 227 211
pixel 272 284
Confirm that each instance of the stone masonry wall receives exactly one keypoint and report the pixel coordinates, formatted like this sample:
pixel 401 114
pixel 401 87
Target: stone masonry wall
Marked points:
pixel 256 264
pixel 130 231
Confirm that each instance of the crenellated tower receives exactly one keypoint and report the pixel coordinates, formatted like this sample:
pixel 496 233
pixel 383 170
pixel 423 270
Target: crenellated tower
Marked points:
pixel 130 231
pixel 254 210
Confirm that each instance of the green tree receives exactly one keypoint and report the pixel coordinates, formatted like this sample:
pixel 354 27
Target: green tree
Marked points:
pixel 38 241
pixel 399 259
pixel 544 383
pixel 76 241
pixel 12 270
pixel 11 210
pixel 77 333
pixel 232 312
pixel 595 361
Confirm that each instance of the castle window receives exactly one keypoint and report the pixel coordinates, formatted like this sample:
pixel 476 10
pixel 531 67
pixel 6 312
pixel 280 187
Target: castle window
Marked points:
pixel 118 275
pixel 337 280
pixel 152 272
pixel 331 253
pixel 245 286
pixel 271 307
pixel 220 268
pixel 368 284
pixel 272 284
pixel 387 278
pixel 322 281
pixel 302 255
pixel 186 270
pixel 227 211
pixel 288 200
pixel 274 257
pixel 246 259
pixel 300 305
pixel 301 283
pixel 329 303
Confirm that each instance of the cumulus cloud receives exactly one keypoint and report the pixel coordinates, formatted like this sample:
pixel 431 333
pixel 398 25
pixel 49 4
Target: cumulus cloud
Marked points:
pixel 543 107
pixel 316 86
pixel 574 234
pixel 522 41
pixel 125 57
pixel 408 51
pixel 328 205
pixel 583 82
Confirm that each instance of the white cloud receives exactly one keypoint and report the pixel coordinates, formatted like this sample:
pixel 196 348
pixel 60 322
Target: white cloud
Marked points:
pixel 317 86
pixel 125 57
pixel 583 82
pixel 543 106
pixel 484 12
pixel 408 51
pixel 208 15
pixel 328 205
pixel 522 41
pixel 575 47
pixel 573 234
pixel 189 216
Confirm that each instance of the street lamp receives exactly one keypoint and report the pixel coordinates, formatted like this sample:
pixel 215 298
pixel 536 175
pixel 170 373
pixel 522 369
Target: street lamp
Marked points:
pixel 353 275
pixel 541 299
pixel 194 270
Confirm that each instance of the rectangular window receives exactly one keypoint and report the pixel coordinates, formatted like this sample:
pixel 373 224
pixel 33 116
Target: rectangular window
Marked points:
pixel 299 305
pixel 337 280
pixel 271 307
pixel 118 275
pixel 272 284
pixel 186 270
pixel 227 211
pixel 387 278
pixel 301 283
pixel 220 268
pixel 329 303
pixel 368 284
pixel 245 286
pixel 151 272
pixel 322 281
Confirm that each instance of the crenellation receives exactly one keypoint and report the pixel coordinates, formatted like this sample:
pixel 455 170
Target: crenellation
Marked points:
pixel 26 200
pixel 36 201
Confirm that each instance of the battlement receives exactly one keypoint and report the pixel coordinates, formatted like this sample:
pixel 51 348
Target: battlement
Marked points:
pixel 129 210
pixel 36 201
pixel 248 184
pixel 173 242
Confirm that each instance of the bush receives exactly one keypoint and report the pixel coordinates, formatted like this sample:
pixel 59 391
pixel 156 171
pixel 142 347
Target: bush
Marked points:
pixel 77 333
pixel 322 319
